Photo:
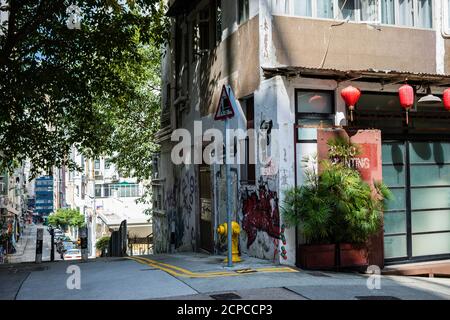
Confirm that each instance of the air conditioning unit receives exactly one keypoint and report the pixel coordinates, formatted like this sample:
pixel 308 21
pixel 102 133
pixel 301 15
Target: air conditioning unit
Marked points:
pixel 97 173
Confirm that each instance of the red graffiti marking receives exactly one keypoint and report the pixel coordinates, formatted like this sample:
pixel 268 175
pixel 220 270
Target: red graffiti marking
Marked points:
pixel 261 214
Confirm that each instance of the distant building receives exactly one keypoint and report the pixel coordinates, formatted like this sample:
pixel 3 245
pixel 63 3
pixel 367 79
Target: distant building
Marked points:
pixel 13 209
pixel 99 185
pixel 44 196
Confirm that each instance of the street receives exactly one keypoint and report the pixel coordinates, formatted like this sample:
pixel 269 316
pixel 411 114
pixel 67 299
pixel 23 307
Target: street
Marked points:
pixel 195 276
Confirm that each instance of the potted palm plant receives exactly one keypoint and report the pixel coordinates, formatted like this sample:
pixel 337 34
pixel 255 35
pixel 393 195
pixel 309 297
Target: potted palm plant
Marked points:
pixel 335 207
pixel 309 208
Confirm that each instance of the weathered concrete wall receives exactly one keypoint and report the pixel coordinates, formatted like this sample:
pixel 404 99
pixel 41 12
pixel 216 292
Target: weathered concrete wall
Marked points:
pixel 352 46
pixel 234 61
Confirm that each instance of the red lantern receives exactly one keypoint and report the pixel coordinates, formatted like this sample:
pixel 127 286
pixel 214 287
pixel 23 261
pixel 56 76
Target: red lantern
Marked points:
pixel 406 95
pixel 446 99
pixel 351 96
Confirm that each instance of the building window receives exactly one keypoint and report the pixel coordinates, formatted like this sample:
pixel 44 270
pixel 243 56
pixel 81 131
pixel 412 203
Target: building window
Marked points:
pixel 218 13
pixel 406 13
pixel 97 164
pixel 314 109
pixel 325 9
pixel 303 8
pixel 123 190
pixel 410 13
pixel 201 35
pixel 388 11
pixel 243 10
pixel 203 29
pixel 368 10
pixel 424 13
pixel 98 190
pixel 248 169
pixel 347 9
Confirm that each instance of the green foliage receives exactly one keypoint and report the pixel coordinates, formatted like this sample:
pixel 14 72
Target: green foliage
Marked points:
pixel 336 205
pixel 309 207
pixel 63 218
pixel 54 80
pixel 102 243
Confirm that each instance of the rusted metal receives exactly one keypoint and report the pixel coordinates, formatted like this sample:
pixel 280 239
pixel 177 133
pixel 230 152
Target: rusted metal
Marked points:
pixel 369 75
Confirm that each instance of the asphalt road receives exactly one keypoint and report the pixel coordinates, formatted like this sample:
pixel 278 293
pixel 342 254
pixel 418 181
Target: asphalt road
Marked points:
pixel 123 279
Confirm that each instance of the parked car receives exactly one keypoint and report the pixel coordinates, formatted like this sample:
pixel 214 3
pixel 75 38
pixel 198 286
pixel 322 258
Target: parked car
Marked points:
pixel 68 245
pixel 63 238
pixel 73 254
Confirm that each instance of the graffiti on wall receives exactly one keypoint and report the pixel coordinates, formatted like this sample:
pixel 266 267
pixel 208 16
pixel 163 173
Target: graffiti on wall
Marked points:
pixel 261 214
pixel 179 207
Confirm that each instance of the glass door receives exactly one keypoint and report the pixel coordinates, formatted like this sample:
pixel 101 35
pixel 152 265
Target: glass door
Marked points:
pixel 430 198
pixel 417 219
pixel 395 215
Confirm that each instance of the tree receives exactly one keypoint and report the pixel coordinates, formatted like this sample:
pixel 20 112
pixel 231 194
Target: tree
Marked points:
pixel 54 80
pixel 63 218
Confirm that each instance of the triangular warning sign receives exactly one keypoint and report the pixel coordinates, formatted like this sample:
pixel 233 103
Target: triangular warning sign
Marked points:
pixel 225 108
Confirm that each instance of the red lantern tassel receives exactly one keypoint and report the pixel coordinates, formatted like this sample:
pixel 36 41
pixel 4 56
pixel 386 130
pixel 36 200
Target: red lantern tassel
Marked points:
pixel 407 118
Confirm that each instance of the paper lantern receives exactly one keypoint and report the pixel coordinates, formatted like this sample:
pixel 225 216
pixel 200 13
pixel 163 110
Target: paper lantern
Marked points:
pixel 351 96
pixel 406 95
pixel 446 99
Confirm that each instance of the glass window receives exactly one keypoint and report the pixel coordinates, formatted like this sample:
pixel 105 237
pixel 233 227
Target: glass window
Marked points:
pixel 394 222
pixel 395 246
pixel 243 10
pixel 448 15
pixel 281 6
pixel 406 13
pixel 98 190
pixel 218 21
pixel 429 221
pixel 318 102
pixel 387 11
pixel 428 244
pixel 424 13
pixel 314 109
pixel 303 8
pixel 106 190
pixel 368 10
pixel 325 9
pixel 346 9
pixel 97 164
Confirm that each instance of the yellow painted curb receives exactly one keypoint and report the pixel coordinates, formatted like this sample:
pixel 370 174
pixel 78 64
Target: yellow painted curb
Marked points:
pixel 181 272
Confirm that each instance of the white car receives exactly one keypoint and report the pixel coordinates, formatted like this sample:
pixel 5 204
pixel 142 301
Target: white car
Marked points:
pixel 72 254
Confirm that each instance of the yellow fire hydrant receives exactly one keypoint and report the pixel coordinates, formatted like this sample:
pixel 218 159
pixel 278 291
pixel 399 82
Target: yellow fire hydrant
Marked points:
pixel 222 230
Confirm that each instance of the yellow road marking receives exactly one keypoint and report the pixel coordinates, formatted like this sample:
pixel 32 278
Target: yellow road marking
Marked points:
pixel 181 272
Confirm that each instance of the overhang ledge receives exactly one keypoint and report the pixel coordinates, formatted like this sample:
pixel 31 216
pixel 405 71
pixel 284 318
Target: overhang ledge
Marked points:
pixel 385 77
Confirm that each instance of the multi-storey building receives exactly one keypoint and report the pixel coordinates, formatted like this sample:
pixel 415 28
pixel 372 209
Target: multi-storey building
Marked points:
pixel 287 62
pixel 13 208
pixel 99 185
pixel 44 191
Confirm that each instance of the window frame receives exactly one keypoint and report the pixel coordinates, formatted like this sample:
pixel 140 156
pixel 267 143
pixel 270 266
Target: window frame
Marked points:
pixel 245 13
pixel 357 14
pixel 446 18
pixel 311 115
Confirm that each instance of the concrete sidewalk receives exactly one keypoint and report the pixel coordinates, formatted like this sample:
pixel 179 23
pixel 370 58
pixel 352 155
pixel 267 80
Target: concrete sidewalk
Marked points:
pixel 123 279
pixel 26 247
pixel 299 285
